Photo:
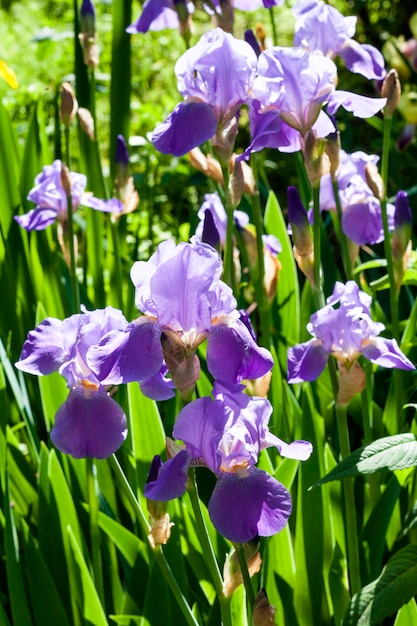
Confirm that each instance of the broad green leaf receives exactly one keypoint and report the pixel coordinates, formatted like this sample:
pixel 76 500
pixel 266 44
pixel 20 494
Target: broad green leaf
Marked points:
pixel 86 597
pixel 278 570
pixel 125 541
pixel 407 614
pixel 287 323
pixel 41 585
pixel 15 579
pixel 388 453
pixel 9 171
pixel 388 593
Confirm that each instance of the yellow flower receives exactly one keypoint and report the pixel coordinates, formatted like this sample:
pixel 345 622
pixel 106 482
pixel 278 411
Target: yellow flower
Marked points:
pixel 8 74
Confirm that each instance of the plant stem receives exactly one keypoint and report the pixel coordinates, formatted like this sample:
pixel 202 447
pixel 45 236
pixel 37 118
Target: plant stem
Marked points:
pixel 114 225
pixel 317 287
pixel 75 308
pixel 240 551
pixel 229 270
pixel 350 507
pixel 157 550
pixel 94 528
pixel 208 551
pixel 273 27
pixel 263 305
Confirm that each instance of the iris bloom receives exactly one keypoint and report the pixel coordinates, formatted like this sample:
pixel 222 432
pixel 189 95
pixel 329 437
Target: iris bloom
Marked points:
pixel 183 302
pixel 320 27
pixel 214 77
pixel 214 206
pixel 51 202
pixel 345 332
pixel 291 89
pixel 361 210
pixel 90 422
pixel 226 435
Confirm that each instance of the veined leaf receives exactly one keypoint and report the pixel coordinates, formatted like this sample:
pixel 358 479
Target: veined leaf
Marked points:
pixel 389 453
pixel 388 593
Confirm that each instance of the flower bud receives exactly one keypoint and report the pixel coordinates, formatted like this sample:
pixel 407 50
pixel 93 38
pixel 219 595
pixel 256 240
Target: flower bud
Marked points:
pixel 260 33
pixel 236 182
pixel 401 237
pixel 232 574
pixel 301 233
pixel 86 122
pixel 352 380
pixel 88 35
pixel 66 179
pixel 316 161
pixel 182 362
pixel 374 180
pixel 263 612
pixel 207 165
pixel 333 146
pixel 159 518
pixel 224 140
pixel 391 90
pixel 69 105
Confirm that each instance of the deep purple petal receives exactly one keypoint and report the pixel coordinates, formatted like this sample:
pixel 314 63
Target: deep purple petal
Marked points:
pixel 306 361
pixel 37 219
pixel 158 387
pixel 152 9
pixel 89 424
pixel 43 351
pixel 189 125
pixel 245 505
pixel 363 59
pixel 127 356
pixel 172 479
pixel 232 354
pixel 386 353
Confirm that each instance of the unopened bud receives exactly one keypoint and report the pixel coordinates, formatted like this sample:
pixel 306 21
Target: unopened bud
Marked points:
pixel 374 180
pixel 207 165
pixel 66 179
pixel 301 233
pixel 224 140
pixel 182 362
pixel 69 105
pixel 249 184
pixel 159 518
pixel 391 90
pixel 400 240
pixel 232 574
pixel 333 152
pixel 263 611
pixel 86 122
pixel 316 161
pixel 236 183
pixel 88 35
pixel 260 34
pixel 352 380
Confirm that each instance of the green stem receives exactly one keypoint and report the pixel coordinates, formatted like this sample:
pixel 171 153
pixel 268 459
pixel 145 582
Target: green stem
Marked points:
pixel 350 507
pixel 229 270
pixel 340 234
pixel 157 550
pixel 73 270
pixel 367 419
pixel 240 551
pixel 263 304
pixel 208 551
pixel 273 26
pixel 118 276
pixel 94 528
pixel 317 287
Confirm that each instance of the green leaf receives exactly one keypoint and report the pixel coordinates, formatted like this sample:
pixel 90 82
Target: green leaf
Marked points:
pixel 388 593
pixel 389 453
pixel 407 614
pixel 287 323
pixel 128 544
pixel 86 597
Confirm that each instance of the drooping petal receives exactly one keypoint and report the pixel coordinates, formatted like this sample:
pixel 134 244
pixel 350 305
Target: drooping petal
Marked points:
pixel 189 125
pixel 43 351
pixel 127 356
pixel 232 354
pixel 306 361
pixel 360 106
pixel 244 505
pixel 386 353
pixel 172 479
pixel 89 424
pixel 158 387
pixel 37 219
pixel 152 9
pixel 363 59
pixel 113 205
pixel 300 450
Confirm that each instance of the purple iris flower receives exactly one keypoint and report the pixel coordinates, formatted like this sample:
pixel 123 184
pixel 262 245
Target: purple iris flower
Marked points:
pixel 361 210
pixel 50 198
pixel 89 423
pixel 320 27
pixel 214 205
pixel 295 85
pixel 345 332
pixel 157 15
pixel 183 302
pixel 214 77
pixel 226 435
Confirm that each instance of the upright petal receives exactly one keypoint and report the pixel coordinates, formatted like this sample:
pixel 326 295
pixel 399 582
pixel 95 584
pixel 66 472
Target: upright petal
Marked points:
pixel 43 351
pixel 245 505
pixel 89 424
pixel 171 480
pixel 306 361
